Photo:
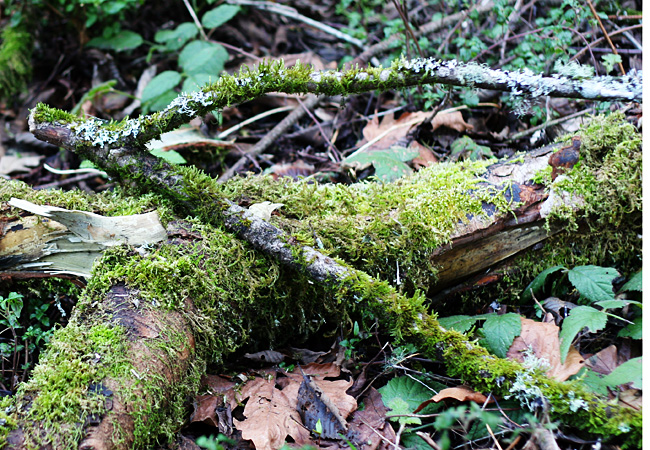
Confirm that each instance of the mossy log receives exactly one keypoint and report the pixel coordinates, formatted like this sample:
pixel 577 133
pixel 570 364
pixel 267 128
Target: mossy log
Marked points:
pixel 151 318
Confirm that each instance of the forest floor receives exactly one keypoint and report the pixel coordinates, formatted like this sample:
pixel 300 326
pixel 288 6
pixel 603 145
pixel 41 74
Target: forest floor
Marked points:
pixel 136 58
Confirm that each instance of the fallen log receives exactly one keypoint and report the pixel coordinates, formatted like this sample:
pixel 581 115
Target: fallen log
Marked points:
pixel 222 290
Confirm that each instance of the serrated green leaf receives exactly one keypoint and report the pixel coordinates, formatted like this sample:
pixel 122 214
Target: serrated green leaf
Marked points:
pixel 580 317
pixel 460 323
pixel 412 441
pixel 171 156
pixel 176 38
pixel 404 394
pixel 465 145
pixel 593 282
pixel 500 331
pixel 537 285
pixel 629 372
pixel 387 167
pixel 633 330
pixel 160 84
pixel 124 40
pixel 614 304
pixel 400 153
pixel 634 284
pixel 203 57
pixel 219 15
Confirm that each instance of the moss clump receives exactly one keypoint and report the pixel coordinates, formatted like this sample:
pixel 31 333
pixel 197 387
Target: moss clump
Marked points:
pixel 608 175
pixel 83 357
pixel 387 230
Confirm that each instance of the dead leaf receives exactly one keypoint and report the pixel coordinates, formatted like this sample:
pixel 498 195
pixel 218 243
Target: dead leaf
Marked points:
pixel 544 341
pixel 205 410
pixel 426 158
pixel 23 163
pixel 270 416
pixel 452 119
pixel 632 397
pixel 270 356
pixel 460 393
pixel 367 427
pixel 387 132
pixel 316 408
pixel 604 361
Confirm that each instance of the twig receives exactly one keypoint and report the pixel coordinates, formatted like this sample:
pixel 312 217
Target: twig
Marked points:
pixel 494 438
pixel 197 22
pixel 250 120
pixel 602 27
pixel 335 154
pixel 545 125
pixel 271 137
pixel 599 40
pixel 433 444
pixel 290 12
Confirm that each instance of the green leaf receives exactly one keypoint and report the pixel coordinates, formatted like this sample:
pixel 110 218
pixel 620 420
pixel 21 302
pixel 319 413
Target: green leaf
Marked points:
pixel 219 15
pixel 176 38
pixel 537 285
pixel 196 81
pixel 465 146
pixel 160 102
pixel 633 330
pixel 460 323
pixel 203 57
pixel 615 304
pixel 500 331
pixel 171 156
pixel 593 282
pixel 124 40
pixel 628 372
pixel 634 284
pixel 580 317
pixel 403 395
pixel 389 164
pixel 160 84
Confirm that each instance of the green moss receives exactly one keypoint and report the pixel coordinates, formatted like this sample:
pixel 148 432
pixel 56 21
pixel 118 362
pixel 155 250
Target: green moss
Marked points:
pixel 608 175
pixel 379 228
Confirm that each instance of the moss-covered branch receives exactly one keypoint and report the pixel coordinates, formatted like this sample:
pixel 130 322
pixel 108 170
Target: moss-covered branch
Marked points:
pixel 275 77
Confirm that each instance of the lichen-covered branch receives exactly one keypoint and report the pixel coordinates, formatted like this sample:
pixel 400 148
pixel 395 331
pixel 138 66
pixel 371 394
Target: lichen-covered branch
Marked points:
pixel 274 77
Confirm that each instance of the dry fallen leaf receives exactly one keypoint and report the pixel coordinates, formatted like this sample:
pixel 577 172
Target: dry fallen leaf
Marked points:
pixel 460 393
pixel 387 132
pixel 544 341
pixel 604 361
pixel 270 416
pixel 369 429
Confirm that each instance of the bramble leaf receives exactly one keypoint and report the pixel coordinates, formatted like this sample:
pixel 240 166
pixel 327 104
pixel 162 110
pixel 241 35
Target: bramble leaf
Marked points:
pixel 460 323
pixel 160 84
pixel 537 285
pixel 403 395
pixel 634 284
pixel 500 331
pixel 580 317
pixel 593 282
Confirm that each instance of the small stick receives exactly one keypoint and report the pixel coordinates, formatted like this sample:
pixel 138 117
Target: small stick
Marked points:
pixel 602 27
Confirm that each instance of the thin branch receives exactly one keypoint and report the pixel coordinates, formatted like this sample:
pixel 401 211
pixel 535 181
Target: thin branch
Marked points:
pixel 290 12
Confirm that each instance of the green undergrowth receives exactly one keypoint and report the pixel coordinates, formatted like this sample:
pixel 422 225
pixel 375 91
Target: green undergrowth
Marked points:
pixel 15 60
pixel 408 320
